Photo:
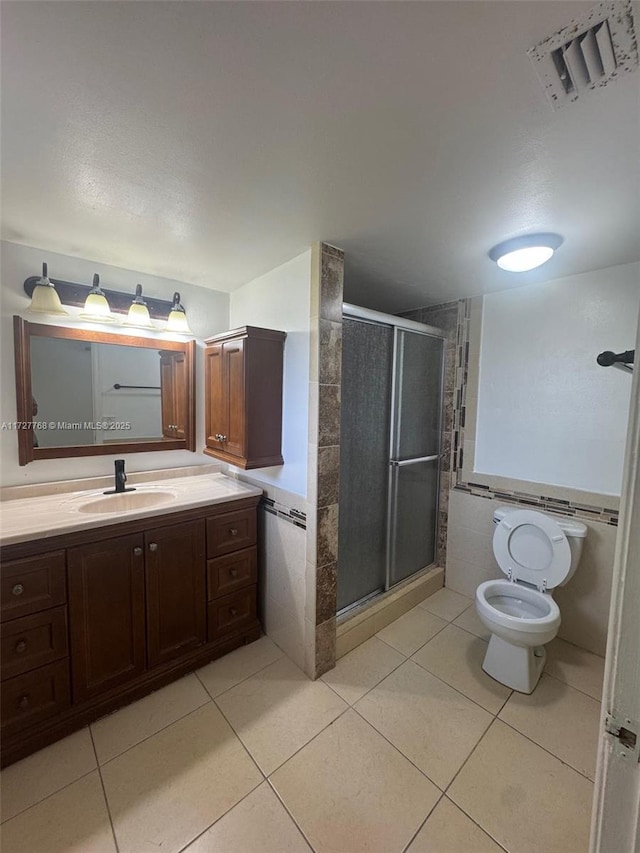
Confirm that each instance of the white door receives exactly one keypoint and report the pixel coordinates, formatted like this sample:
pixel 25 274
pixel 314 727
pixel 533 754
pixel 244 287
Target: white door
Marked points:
pixel 615 824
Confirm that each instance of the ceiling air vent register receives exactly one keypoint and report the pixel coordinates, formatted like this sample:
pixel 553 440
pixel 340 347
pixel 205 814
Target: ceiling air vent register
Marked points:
pixel 587 54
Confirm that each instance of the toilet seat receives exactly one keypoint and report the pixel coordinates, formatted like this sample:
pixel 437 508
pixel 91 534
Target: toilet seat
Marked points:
pixel 531 547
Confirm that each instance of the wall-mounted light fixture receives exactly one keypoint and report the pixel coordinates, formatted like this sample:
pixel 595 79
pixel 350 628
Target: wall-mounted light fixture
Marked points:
pixel 177 321
pixel 525 253
pixel 96 306
pixel 138 314
pixel 44 297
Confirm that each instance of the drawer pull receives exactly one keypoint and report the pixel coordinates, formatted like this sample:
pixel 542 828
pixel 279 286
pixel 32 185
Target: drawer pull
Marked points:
pixel 137 552
pixel 233 573
pixel 233 531
pixel 20 647
pixel 23 702
pixel 233 611
pixel 18 589
pixel 153 546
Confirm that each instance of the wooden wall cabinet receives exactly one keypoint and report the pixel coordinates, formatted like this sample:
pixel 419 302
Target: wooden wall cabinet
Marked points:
pixel 174 385
pixel 243 397
pixel 95 619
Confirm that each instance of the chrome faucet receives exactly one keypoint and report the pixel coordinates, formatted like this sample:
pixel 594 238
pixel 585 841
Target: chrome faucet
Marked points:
pixel 121 479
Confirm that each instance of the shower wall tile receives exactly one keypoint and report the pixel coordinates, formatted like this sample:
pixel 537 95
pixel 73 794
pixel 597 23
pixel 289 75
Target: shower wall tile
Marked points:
pixel 330 352
pixel 328 468
pixel 325 646
pixel 327 549
pixel 329 415
pixel 326 592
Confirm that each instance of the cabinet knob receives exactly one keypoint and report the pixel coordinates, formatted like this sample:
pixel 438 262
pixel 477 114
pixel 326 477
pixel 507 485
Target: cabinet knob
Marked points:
pixel 153 546
pixel 18 589
pixel 223 438
pixel 23 702
pixel 233 531
pixel 233 573
pixel 233 611
pixel 137 552
pixel 21 646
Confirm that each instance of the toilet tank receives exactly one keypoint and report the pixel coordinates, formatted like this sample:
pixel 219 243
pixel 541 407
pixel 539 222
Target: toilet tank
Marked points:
pixel 574 530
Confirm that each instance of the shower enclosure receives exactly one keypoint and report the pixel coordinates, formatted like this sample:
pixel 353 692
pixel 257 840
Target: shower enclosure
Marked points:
pixel 392 379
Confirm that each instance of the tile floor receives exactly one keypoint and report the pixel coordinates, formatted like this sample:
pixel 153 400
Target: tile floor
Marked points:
pixel 405 746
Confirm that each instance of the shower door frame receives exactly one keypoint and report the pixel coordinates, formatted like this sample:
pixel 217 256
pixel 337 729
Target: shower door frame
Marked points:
pixel 367 315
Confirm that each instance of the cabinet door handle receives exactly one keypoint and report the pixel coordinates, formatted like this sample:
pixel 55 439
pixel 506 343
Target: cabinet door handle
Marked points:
pixel 23 702
pixel 233 611
pixel 18 589
pixel 20 647
pixel 233 531
pixel 153 546
pixel 137 552
pixel 233 573
pixel 223 438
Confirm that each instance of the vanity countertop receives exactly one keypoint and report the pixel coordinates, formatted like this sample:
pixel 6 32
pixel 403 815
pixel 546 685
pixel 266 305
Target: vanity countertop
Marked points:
pixel 25 519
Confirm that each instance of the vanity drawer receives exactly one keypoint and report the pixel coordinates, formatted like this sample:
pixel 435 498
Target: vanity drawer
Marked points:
pixel 231 612
pixel 33 584
pixel 33 641
pixel 31 698
pixel 235 571
pixel 231 531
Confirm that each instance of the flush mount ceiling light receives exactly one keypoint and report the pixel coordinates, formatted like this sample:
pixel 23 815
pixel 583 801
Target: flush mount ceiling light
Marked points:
pixel 177 320
pixel 138 312
pixel 45 299
pixel 525 253
pixel 96 307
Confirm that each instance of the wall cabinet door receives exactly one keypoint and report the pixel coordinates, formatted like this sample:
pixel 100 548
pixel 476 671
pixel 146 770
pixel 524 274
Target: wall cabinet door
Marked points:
pixel 106 614
pixel 176 590
pixel 233 378
pixel 174 383
pixel 216 412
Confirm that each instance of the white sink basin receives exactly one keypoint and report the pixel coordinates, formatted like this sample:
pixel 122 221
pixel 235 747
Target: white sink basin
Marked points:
pixel 126 501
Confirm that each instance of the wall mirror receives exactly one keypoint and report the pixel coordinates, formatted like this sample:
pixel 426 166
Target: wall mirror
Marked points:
pixel 88 393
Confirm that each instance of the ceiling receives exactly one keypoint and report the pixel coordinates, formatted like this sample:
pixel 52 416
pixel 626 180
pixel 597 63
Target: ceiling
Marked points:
pixel 210 142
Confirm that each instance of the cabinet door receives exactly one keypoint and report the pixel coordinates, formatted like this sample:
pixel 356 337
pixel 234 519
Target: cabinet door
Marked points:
pixel 176 590
pixel 106 614
pixel 180 387
pixel 216 415
pixel 233 360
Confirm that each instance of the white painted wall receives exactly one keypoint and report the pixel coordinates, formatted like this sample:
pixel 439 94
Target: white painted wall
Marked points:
pixel 281 300
pixel 208 312
pixel 546 411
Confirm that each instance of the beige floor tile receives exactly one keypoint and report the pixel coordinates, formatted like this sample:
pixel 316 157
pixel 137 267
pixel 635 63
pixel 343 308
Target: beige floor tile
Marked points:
pixel 470 621
pixel 431 723
pixel 258 823
pixel 448 830
pixel 446 604
pixel 362 669
pixel 560 719
pixel 27 782
pixel 575 666
pixel 278 710
pixel 222 674
pixel 118 732
pixel 168 789
pixel 456 657
pixel 526 799
pixel 350 790
pixel 412 630
pixel 73 820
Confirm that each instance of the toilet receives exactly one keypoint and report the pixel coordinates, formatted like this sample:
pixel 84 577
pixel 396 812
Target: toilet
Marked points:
pixel 537 553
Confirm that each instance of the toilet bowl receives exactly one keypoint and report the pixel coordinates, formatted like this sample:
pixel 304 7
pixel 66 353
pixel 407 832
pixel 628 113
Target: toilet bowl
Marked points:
pixel 537 553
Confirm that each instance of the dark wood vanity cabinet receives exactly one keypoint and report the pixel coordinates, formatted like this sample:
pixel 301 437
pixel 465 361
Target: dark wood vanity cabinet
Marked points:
pixel 243 396
pixel 95 619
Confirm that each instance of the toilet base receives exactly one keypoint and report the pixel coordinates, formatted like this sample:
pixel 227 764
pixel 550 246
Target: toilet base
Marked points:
pixel 518 667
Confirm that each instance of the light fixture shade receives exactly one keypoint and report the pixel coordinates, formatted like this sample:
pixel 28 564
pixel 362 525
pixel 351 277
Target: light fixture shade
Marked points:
pixel 177 320
pixel 45 299
pixel 96 307
pixel 525 253
pixel 138 314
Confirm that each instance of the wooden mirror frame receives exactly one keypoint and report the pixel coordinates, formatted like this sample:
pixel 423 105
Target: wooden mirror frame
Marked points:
pixel 23 331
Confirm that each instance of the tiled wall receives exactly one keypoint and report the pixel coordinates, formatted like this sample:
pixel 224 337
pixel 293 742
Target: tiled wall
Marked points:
pixel 324 452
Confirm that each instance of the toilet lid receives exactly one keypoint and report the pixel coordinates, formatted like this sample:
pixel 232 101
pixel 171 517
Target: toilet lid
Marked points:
pixel 531 547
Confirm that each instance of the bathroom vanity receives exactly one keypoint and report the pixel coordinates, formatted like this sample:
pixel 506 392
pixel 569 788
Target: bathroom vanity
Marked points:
pixel 107 598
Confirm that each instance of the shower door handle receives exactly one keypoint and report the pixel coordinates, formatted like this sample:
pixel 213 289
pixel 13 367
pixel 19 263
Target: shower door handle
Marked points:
pixel 402 462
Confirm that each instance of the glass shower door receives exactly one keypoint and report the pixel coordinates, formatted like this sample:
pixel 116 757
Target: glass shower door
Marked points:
pixel 415 453
pixel 367 356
